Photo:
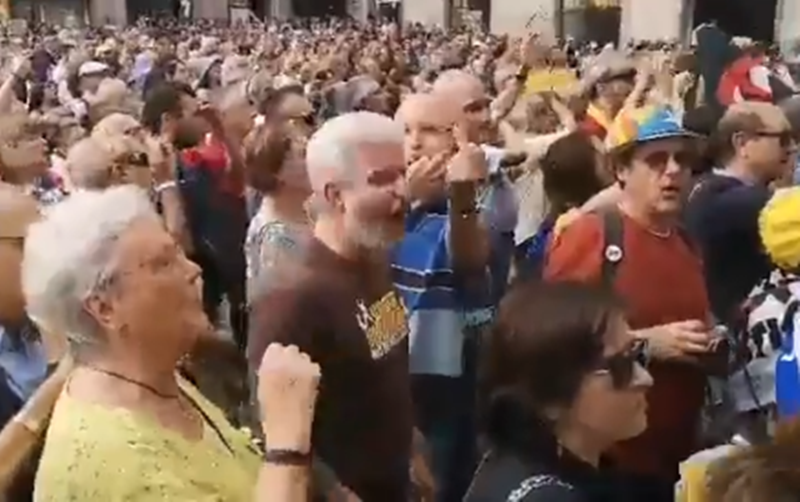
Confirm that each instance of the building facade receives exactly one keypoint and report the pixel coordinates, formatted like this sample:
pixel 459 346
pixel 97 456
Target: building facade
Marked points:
pixel 61 12
pixel 600 20
pixel 623 20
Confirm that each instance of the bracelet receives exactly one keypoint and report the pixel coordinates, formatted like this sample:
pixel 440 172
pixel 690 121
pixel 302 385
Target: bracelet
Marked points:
pixel 287 457
pixel 165 186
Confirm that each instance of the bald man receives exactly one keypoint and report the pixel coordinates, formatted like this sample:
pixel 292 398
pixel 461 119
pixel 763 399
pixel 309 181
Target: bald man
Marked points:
pixel 483 113
pixel 428 122
pixel 758 149
pixel 445 233
pixel 470 95
pixel 498 203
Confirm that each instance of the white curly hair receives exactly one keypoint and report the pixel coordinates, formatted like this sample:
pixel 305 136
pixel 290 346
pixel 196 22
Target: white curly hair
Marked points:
pixel 70 251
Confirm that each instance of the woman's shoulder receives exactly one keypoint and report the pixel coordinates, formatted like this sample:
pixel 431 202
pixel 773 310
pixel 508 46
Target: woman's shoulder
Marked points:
pixel 85 445
pixel 508 479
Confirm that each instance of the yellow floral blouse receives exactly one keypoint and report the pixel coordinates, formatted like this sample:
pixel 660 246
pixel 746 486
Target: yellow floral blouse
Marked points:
pixel 98 454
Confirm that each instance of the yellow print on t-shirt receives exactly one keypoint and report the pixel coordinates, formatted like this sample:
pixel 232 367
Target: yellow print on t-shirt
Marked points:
pixel 384 323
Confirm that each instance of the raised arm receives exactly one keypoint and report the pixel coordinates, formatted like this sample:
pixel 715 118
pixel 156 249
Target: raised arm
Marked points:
pixel 287 390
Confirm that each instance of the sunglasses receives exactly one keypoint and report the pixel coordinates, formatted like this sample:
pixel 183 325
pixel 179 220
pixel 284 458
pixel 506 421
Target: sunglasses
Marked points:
pixel 785 138
pixel 139 159
pixel 659 160
pixel 622 366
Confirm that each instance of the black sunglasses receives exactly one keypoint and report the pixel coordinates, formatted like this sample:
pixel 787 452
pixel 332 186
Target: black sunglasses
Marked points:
pixel 785 138
pixel 138 159
pixel 622 366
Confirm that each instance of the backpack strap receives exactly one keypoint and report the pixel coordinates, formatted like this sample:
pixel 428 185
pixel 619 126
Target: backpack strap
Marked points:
pixel 613 249
pixel 614 244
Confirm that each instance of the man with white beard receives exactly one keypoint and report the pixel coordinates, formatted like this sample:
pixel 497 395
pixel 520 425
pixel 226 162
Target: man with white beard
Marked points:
pixel 338 306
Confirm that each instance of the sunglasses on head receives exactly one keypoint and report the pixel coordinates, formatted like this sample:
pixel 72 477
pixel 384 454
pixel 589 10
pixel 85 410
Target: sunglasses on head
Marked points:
pixel 139 159
pixel 622 366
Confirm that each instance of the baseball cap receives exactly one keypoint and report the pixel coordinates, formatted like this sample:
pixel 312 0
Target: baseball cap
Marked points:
pixel 779 227
pixel 648 123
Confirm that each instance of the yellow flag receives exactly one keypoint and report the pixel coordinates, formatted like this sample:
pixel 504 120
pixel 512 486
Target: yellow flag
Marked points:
pixel 558 80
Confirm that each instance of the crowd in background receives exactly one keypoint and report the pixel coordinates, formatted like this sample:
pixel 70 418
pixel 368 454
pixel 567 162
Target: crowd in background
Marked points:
pixel 342 261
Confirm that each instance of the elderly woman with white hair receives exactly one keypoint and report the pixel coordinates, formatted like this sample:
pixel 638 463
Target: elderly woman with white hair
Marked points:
pixel 128 299
pixel 102 268
pixel 102 161
pixel 117 124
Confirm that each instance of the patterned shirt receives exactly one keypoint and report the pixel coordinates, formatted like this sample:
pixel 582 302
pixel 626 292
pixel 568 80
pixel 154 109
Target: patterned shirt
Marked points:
pixel 267 241
pixel 48 190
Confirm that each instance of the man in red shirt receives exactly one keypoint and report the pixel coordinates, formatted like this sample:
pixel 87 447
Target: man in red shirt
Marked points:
pixel 660 279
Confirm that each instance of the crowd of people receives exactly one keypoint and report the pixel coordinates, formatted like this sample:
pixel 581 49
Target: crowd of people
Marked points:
pixel 369 262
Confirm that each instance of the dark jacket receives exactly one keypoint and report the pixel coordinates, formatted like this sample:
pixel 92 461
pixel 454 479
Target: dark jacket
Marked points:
pixel 505 475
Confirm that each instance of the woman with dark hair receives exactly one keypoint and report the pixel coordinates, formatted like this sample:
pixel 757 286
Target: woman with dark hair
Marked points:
pixel 275 168
pixel 288 104
pixel 562 380
pixel 573 171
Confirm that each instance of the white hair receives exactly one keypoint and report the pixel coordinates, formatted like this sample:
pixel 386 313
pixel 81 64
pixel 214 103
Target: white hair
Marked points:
pixel 331 151
pixel 69 253
pixel 88 162
pixel 454 80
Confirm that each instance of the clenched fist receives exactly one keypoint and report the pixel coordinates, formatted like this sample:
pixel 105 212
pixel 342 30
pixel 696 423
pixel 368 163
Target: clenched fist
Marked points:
pixel 288 382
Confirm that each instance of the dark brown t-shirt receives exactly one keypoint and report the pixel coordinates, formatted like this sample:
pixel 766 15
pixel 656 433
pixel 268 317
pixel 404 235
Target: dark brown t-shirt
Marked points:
pixel 348 319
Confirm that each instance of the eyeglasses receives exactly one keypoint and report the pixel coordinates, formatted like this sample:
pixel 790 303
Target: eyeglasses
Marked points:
pixel 785 138
pixel 622 366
